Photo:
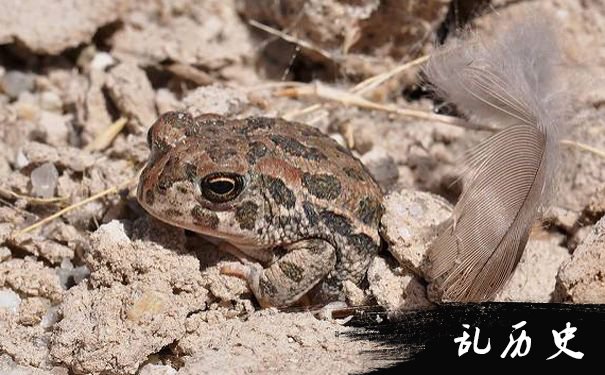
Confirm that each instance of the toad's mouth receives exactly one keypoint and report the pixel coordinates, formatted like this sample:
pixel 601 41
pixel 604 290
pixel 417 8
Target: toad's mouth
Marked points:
pixel 206 224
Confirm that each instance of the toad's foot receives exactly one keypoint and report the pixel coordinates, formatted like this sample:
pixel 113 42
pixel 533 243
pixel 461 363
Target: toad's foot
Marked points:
pixel 290 277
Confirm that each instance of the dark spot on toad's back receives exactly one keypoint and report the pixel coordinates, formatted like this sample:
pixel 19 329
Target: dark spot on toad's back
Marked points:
pixel 292 271
pixel 257 123
pixel 355 173
pixel 284 221
pixel 309 131
pixel 336 223
pixel 369 211
pixel 280 193
pixel 279 251
pixel 310 213
pixel 293 147
pixel 314 154
pixel 256 151
pixel 203 218
pixel 364 243
pixel 323 186
pixel 245 215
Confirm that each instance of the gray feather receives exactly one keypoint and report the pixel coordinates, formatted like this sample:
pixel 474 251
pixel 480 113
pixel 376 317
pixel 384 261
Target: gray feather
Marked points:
pixel 507 79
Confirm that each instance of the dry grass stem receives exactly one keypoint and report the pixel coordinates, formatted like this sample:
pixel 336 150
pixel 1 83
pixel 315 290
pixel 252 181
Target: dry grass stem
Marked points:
pixel 584 147
pixel 111 190
pixel 32 200
pixel 106 137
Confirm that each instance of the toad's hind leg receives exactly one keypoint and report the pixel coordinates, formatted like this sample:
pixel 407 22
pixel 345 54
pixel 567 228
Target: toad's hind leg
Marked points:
pixel 287 279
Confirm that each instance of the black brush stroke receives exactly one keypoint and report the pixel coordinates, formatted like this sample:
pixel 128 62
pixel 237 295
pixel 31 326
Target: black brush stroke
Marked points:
pixel 424 339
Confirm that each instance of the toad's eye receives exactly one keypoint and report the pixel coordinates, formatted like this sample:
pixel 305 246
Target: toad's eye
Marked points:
pixel 221 187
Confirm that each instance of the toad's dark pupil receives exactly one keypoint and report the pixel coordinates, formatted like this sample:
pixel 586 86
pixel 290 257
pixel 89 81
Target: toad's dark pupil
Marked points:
pixel 221 186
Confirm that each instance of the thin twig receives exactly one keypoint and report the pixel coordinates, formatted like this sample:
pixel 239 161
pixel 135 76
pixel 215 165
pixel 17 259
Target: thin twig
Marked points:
pixel 348 98
pixel 373 82
pixel 584 147
pixel 366 86
pixel 107 136
pixel 32 200
pixel 292 39
pixel 101 194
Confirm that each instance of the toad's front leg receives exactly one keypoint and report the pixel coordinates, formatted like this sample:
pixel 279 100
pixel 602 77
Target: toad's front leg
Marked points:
pixel 290 277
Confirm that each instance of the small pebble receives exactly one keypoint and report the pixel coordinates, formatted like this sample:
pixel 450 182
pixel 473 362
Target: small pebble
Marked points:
pixel 21 160
pixel 5 253
pixel 153 369
pixel 102 61
pixel 14 83
pixel 67 271
pixel 50 318
pixel 44 180
pixel 51 101
pixel 382 167
pixel 9 300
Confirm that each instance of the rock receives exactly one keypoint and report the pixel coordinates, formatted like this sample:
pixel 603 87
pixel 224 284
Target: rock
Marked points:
pixel 5 252
pixel 580 279
pixel 27 345
pixel 132 93
pixel 395 289
pixel 51 101
pixel 206 33
pixel 410 222
pixel 216 98
pixel 101 61
pixel 382 167
pixel 51 27
pixel 64 157
pixel 31 278
pixel 51 251
pixel 562 218
pixel 32 310
pixel 21 160
pixel 9 300
pixel 114 329
pixel 535 277
pixel 596 204
pixel 153 369
pixel 50 318
pixel 135 302
pixel 44 180
pixel 98 117
pixel 68 273
pixel 310 345
pixel 13 83
pixel 10 367
pixel 166 101
pixel 364 37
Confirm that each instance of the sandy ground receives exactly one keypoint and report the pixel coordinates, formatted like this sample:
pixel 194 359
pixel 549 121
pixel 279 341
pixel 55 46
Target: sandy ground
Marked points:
pixel 105 289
